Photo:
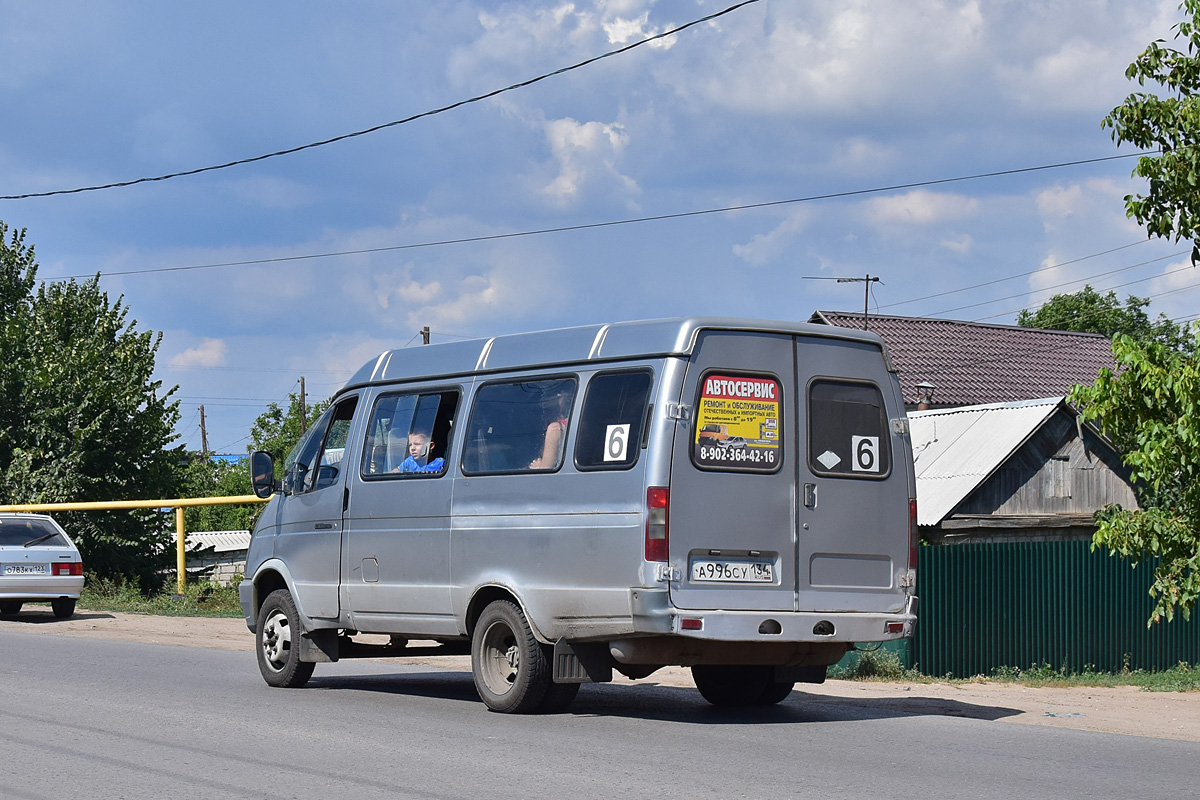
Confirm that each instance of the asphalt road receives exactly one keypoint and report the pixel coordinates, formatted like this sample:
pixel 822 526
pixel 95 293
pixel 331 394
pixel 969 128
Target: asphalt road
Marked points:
pixel 103 719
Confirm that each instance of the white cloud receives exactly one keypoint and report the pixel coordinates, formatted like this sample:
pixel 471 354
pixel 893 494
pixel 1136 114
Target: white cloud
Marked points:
pixel 959 244
pixel 585 153
pixel 209 353
pixel 1060 57
pixel 766 247
pixel 514 288
pixel 920 207
pixel 1176 289
pixel 841 57
pixel 621 30
pixel 1059 202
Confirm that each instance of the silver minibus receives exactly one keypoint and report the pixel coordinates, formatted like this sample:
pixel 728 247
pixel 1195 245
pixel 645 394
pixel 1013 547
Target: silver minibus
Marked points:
pixel 731 495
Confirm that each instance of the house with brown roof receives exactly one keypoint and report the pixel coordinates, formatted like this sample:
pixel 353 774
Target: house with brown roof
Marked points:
pixel 970 363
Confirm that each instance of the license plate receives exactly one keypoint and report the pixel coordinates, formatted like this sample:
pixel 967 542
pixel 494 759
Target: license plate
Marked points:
pixel 732 571
pixel 24 569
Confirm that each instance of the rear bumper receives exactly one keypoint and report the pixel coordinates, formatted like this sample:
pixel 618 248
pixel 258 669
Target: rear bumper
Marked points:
pixel 40 587
pixel 654 614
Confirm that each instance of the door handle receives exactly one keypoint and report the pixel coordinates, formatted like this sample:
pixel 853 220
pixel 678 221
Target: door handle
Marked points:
pixel 810 495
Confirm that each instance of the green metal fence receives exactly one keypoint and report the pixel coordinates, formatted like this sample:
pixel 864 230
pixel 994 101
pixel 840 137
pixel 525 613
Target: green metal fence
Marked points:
pixel 1025 604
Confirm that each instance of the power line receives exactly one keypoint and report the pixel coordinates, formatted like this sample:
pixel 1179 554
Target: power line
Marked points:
pixel 614 223
pixel 1014 277
pixel 1110 288
pixel 394 123
pixel 1068 283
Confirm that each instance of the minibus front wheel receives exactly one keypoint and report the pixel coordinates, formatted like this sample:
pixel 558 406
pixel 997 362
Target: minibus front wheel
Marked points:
pixel 277 642
pixel 512 669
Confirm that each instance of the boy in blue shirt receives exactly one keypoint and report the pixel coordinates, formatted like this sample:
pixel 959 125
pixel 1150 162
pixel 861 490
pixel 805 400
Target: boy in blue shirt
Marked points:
pixel 418 451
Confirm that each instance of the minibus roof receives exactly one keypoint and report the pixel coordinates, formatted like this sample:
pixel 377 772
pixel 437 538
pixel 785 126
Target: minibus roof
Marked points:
pixel 619 341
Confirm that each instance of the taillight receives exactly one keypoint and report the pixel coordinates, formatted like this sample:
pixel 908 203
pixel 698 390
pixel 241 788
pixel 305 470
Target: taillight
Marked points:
pixel 914 536
pixel 657 500
pixel 67 568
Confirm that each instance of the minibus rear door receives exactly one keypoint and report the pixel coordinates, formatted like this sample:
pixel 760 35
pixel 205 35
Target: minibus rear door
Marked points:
pixel 853 504
pixel 732 505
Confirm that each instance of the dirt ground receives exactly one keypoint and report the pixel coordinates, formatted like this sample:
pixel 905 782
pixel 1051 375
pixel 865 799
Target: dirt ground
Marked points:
pixel 1124 710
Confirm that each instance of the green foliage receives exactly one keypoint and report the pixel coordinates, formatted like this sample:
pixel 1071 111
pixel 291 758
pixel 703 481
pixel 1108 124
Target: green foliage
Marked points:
pixel 877 664
pixel 276 431
pixel 1171 124
pixel 1089 311
pixel 208 477
pixel 81 417
pixel 205 599
pixel 1182 677
pixel 1152 406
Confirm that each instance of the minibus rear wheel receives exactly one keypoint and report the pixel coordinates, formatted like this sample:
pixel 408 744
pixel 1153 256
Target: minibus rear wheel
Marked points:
pixel 277 642
pixel 735 685
pixel 510 667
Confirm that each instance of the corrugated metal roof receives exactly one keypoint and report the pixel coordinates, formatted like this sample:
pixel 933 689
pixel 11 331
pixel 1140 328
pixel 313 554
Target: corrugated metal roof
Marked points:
pixel 956 449
pixel 971 362
pixel 220 541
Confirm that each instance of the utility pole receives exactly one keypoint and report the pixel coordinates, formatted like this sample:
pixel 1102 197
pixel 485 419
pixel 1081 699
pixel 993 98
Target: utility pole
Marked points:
pixel 203 435
pixel 303 409
pixel 425 335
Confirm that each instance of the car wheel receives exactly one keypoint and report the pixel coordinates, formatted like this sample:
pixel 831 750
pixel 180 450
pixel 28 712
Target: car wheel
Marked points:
pixel 559 696
pixel 511 671
pixel 732 686
pixel 63 607
pixel 774 692
pixel 10 608
pixel 277 641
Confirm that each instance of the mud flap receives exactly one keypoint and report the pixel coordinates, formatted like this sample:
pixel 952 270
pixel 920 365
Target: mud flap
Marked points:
pixel 582 662
pixel 319 646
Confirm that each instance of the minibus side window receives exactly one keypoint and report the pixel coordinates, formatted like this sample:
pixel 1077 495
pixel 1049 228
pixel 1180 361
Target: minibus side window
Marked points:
pixel 519 426
pixel 739 423
pixel 408 435
pixel 612 420
pixel 847 430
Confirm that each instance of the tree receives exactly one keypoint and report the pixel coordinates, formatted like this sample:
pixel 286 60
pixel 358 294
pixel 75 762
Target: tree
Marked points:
pixel 277 431
pixel 81 417
pixel 1169 125
pixel 1151 405
pixel 1153 402
pixel 211 477
pixel 1089 311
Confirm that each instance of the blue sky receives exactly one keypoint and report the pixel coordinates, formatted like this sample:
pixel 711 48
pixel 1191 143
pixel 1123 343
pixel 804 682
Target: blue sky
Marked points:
pixel 776 101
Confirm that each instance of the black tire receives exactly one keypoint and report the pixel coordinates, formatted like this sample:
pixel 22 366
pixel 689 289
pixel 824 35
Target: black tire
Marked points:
pixel 732 686
pixel 10 608
pixel 512 673
pixel 277 642
pixel 774 692
pixel 63 607
pixel 559 696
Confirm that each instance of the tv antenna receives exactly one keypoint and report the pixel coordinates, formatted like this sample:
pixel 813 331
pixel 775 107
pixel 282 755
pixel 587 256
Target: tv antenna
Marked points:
pixel 868 280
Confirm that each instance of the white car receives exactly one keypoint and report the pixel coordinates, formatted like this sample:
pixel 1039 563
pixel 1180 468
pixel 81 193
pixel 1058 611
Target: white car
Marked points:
pixel 38 563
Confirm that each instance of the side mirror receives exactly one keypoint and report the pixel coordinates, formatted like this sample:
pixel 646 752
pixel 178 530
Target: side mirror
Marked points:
pixel 262 474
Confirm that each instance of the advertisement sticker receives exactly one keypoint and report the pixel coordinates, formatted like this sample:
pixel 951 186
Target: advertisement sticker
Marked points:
pixel 738 424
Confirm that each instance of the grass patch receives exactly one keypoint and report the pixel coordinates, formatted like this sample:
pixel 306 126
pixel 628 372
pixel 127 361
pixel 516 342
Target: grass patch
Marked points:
pixel 874 664
pixel 885 665
pixel 199 599
pixel 1180 678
